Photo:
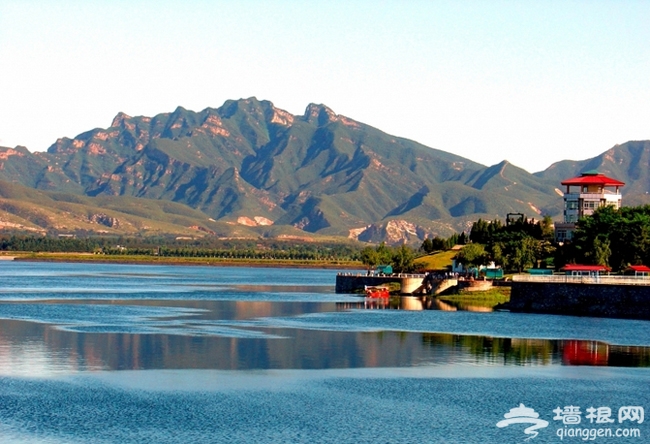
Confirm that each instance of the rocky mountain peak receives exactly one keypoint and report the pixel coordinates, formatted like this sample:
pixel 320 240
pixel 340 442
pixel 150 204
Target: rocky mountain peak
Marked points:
pixel 319 114
pixel 250 159
pixel 277 115
pixel 119 120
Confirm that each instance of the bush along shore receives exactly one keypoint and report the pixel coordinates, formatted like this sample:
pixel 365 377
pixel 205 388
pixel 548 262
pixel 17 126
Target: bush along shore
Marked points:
pixel 159 250
pixel 493 298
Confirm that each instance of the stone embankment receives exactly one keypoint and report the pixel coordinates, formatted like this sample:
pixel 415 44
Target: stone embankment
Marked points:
pixel 598 297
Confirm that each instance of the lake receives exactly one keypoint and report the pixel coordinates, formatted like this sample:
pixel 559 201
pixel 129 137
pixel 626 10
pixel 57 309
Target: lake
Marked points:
pixel 96 353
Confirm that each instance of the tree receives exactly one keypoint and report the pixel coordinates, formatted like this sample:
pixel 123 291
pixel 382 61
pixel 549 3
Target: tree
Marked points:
pixel 498 255
pixel 615 236
pixel 639 238
pixel 403 259
pixel 546 228
pixel 479 232
pixel 385 254
pixel 438 243
pixel 427 246
pixel 601 251
pixel 525 254
pixel 472 255
pixel 369 257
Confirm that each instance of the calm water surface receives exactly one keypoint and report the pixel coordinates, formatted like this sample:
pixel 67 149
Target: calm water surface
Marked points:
pixel 168 354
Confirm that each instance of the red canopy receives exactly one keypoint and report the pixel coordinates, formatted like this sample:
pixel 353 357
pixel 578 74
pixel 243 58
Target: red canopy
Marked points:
pixel 594 179
pixel 578 267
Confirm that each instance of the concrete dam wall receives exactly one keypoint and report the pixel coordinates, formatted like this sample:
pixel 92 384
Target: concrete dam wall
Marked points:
pixel 351 283
pixel 409 283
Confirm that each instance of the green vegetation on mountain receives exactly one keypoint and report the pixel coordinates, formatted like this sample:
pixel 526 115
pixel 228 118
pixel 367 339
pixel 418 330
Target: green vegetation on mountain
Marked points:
pixel 247 166
pixel 250 163
pixel 24 209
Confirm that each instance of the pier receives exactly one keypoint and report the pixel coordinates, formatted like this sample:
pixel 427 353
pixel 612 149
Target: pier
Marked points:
pixel 354 283
pixel 409 283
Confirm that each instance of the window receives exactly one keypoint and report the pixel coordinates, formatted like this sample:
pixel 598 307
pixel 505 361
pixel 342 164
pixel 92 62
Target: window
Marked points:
pixel 571 205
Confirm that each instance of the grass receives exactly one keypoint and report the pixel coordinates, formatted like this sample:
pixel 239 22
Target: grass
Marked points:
pixel 489 298
pixel 436 261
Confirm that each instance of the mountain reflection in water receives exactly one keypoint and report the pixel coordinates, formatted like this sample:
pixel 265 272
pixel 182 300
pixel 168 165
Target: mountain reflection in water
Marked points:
pixel 511 351
pixel 144 317
pixel 235 354
pixel 248 345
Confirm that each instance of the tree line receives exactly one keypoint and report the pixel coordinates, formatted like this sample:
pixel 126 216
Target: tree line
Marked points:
pixel 401 258
pixel 236 249
pixel 519 244
pixel 612 237
pixel 440 243
pixel 53 245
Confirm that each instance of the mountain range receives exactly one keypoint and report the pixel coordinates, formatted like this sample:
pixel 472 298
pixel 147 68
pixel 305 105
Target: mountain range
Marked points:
pixel 249 169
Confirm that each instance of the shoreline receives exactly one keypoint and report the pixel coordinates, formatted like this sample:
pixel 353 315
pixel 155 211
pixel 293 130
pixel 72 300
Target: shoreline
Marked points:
pixel 146 260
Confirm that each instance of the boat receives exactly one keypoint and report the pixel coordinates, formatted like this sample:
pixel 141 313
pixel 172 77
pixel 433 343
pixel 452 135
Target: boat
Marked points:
pixel 377 292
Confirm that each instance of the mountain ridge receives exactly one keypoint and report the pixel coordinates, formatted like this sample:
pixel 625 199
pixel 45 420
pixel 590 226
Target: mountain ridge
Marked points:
pixel 320 172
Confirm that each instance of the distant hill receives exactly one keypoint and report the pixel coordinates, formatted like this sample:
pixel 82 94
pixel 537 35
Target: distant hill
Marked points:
pixel 629 163
pixel 251 166
pixel 34 211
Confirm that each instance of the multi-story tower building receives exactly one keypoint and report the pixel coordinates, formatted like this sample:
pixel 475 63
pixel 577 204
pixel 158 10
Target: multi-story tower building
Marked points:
pixel 583 195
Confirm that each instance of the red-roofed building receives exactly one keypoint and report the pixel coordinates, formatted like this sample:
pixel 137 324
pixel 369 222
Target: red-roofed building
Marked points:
pixel 638 270
pixel 592 179
pixel 583 195
pixel 582 270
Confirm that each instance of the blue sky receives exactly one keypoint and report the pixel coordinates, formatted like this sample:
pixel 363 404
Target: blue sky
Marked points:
pixel 532 82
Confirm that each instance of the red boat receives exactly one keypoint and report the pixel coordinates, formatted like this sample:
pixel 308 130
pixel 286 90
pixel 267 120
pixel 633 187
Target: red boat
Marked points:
pixel 377 292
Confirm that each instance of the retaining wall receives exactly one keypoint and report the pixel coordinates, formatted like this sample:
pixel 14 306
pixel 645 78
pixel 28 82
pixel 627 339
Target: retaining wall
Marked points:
pixel 351 283
pixel 599 300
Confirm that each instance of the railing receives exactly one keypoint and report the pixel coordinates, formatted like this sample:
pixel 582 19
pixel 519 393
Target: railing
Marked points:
pixel 591 195
pixel 392 275
pixel 568 279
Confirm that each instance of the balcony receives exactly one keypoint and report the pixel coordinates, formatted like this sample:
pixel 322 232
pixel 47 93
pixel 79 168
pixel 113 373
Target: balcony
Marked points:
pixel 606 194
